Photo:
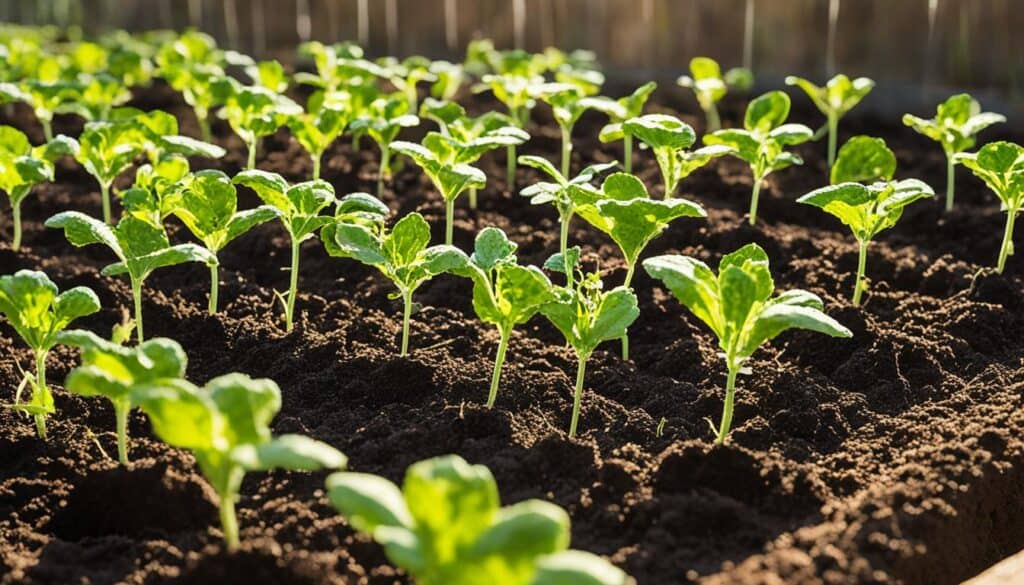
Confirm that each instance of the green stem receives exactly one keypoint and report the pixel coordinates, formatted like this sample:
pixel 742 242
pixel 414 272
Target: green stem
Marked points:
pixel 1007 248
pixel 316 166
pixel 950 181
pixel 214 286
pixel 406 315
pixel 16 213
pixel 121 409
pixel 41 387
pixel 204 125
pixel 293 287
pixel 833 137
pixel 449 220
pixel 753 199
pixel 714 122
pixel 627 157
pixel 47 128
pixel 563 248
pixel 566 150
pixel 472 197
pixel 625 336
pixel 229 521
pixel 510 168
pixel 862 261
pixel 137 300
pixel 251 164
pixel 577 395
pixel 496 376
pixel 730 396
pixel 105 198
pixel 385 160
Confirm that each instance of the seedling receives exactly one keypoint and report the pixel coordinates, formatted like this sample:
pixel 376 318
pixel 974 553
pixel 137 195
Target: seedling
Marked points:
pixel 563 194
pixel 737 305
pixel 160 139
pixel 255 112
pixel 763 140
pixel 157 190
pixel 299 208
pixel 835 99
pixel 587 315
pixel 568 103
pixel 505 294
pixel 325 118
pixel 97 98
pixel 1001 166
pixel 625 212
pixel 114 371
pixel 450 178
pixel 226 426
pixel 514 91
pixel 23 166
pixel 105 150
pixel 209 209
pixel 445 526
pixel 620 110
pixel 192 65
pixel 864 196
pixel 406 76
pixel 269 75
pixel 36 309
pixel 401 254
pixel 956 123
pixel 140 247
pixel 45 94
pixel 669 138
pixel 449 79
pixel 710 86
pixel 383 119
pixel 330 61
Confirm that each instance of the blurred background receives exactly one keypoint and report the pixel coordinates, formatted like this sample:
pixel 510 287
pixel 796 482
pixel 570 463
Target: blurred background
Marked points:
pixel 919 51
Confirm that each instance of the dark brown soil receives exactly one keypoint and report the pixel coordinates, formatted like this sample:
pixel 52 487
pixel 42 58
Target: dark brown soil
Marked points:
pixel 892 457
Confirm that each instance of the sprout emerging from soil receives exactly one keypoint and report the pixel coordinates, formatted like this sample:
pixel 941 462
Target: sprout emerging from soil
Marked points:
pixel 569 100
pixel 620 110
pixel 105 150
pixel 445 525
pixel 383 119
pixel 710 86
pixel 23 166
pixel 864 196
pixel 956 123
pixel 669 138
pixel 1001 166
pixel 737 305
pixel 516 93
pixel 840 95
pixel 254 112
pixel 763 140
pixel 326 117
pixel 226 426
pixel 40 313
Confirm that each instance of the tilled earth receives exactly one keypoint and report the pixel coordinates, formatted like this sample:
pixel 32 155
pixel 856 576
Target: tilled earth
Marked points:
pixel 892 457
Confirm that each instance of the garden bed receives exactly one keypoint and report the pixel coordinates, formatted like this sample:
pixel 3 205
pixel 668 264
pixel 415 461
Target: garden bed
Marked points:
pixel 895 456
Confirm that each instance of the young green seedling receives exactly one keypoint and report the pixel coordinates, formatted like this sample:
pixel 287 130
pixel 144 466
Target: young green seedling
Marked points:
pixel 226 426
pixel 105 150
pixel 45 95
pixel 97 98
pixel 268 74
pixel 1001 166
pixel 956 123
pixel 864 196
pixel 515 92
pixel 406 76
pixel 160 139
pixel 113 371
pixel 39 312
pixel 620 110
pixel 835 99
pixel 669 138
pixel 157 190
pixel 763 140
pixel 401 254
pixel 325 118
pixel 568 103
pixel 450 77
pixel 140 247
pixel 299 208
pixel 710 86
pixel 737 305
pixel 330 62
pixel 383 119
pixel 192 65
pixel 587 315
pixel 445 526
pixel 563 194
pixel 209 209
pixel 255 112
pixel 625 212
pixel 23 166
pixel 450 178
pixel 505 294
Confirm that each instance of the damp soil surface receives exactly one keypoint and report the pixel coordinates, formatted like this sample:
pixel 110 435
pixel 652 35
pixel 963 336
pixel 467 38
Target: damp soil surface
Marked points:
pixel 896 456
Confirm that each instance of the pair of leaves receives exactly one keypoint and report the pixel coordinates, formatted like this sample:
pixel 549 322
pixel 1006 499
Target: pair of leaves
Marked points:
pixel 326 117
pixel 37 310
pixel 159 138
pixel 708 83
pixel 113 371
pixel 157 190
pixel 22 166
pixel 765 135
pixel 384 118
pixel 298 205
pixel 445 526
pixel 1001 166
pixel 956 123
pixel 838 96
pixel 622 109
pixel 255 111
pixel 106 149
pixel 863 194
pixel 436 157
pixel 669 138
pixel 209 209
pixel 737 303
pixel 563 192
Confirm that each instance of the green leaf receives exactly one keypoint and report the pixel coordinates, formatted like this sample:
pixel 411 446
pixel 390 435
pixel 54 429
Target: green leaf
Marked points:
pixel 181 414
pixel 693 284
pixel 292 452
pixel 113 371
pixel 368 502
pixel 492 247
pixel 82 230
pixel 767 112
pixel 247 405
pixel 542 164
pixel 578 568
pixel 31 303
pixel 409 237
pixel 864 159
pixel 781 315
pixel 523 532
pixel 661 131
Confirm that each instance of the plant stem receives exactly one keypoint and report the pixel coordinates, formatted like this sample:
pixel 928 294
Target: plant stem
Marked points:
pixel 510 168
pixel 105 198
pixel 316 166
pixel 121 409
pixel 41 387
pixel 730 395
pixel 251 164
pixel 833 137
pixel 406 315
pixel 1007 248
pixel 563 248
pixel 214 286
pixel 566 150
pixel 472 197
pixel 16 213
pixel 293 286
pixel 753 200
pixel 449 220
pixel 627 157
pixel 229 521
pixel 862 261
pixel 714 122
pixel 498 361
pixel 577 395
pixel 385 160
pixel 137 300
pixel 625 336
pixel 47 128
pixel 204 125
pixel 950 181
